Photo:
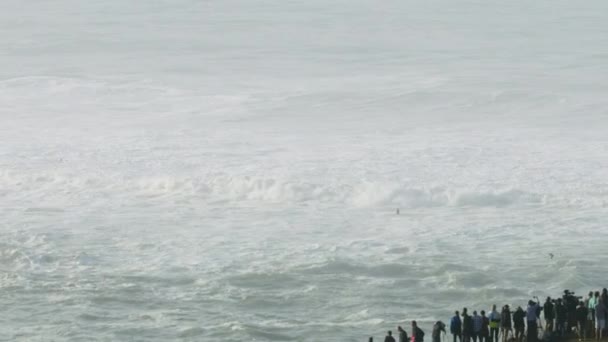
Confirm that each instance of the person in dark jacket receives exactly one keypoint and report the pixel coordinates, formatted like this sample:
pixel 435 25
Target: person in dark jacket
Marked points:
pixel 417 333
pixel 456 326
pixel 519 318
pixel 560 317
pixel 402 334
pixel 549 310
pixel 477 322
pixel 484 334
pixel 467 326
pixel 505 322
pixel 581 320
pixel 389 337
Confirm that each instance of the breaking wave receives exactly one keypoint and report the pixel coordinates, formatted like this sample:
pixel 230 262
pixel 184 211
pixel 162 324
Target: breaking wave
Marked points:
pixel 229 188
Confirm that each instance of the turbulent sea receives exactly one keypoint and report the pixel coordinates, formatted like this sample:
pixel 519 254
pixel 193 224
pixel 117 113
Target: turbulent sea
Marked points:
pixel 231 170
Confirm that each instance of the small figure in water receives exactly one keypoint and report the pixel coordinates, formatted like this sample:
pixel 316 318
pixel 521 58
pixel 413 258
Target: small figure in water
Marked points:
pixel 397 211
pixel 389 337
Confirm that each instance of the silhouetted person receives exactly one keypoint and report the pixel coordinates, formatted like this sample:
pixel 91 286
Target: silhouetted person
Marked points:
pixel 581 320
pixel 485 327
pixel 494 317
pixel 417 333
pixel 438 327
pixel 549 310
pixel 389 337
pixel 456 326
pixel 402 334
pixel 532 320
pixel 505 322
pixel 519 323
pixel 560 317
pixel 467 326
pixel 600 318
pixel 477 322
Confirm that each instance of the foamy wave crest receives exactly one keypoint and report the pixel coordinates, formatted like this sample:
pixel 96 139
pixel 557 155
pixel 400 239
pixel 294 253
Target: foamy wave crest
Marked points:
pixel 272 190
pixel 73 96
pixel 370 194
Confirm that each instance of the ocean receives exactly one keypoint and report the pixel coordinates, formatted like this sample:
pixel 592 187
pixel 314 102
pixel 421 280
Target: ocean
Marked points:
pixel 295 170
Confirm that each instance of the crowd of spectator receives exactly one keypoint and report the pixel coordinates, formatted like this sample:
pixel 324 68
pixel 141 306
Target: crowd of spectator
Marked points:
pixel 567 315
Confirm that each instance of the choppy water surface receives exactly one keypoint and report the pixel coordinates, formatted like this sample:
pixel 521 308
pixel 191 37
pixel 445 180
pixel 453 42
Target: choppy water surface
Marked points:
pixel 230 170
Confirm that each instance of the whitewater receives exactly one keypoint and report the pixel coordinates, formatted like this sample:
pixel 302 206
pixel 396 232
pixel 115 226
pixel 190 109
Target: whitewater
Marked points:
pixel 232 170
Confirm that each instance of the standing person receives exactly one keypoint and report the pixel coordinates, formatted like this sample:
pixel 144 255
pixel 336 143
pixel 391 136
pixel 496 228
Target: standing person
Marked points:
pixel 467 326
pixel 593 299
pixel 549 310
pixel 505 322
pixel 539 309
pixel 477 322
pixel 417 333
pixel 581 320
pixel 438 327
pixel 494 317
pixel 560 317
pixel 485 327
pixel 519 317
pixel 402 334
pixel 532 321
pixel 456 326
pixel 389 337
pixel 600 319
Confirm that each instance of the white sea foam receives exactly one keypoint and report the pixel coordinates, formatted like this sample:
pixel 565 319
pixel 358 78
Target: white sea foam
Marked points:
pixel 310 171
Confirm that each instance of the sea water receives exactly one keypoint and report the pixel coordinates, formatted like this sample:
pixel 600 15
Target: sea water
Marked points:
pixel 232 170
